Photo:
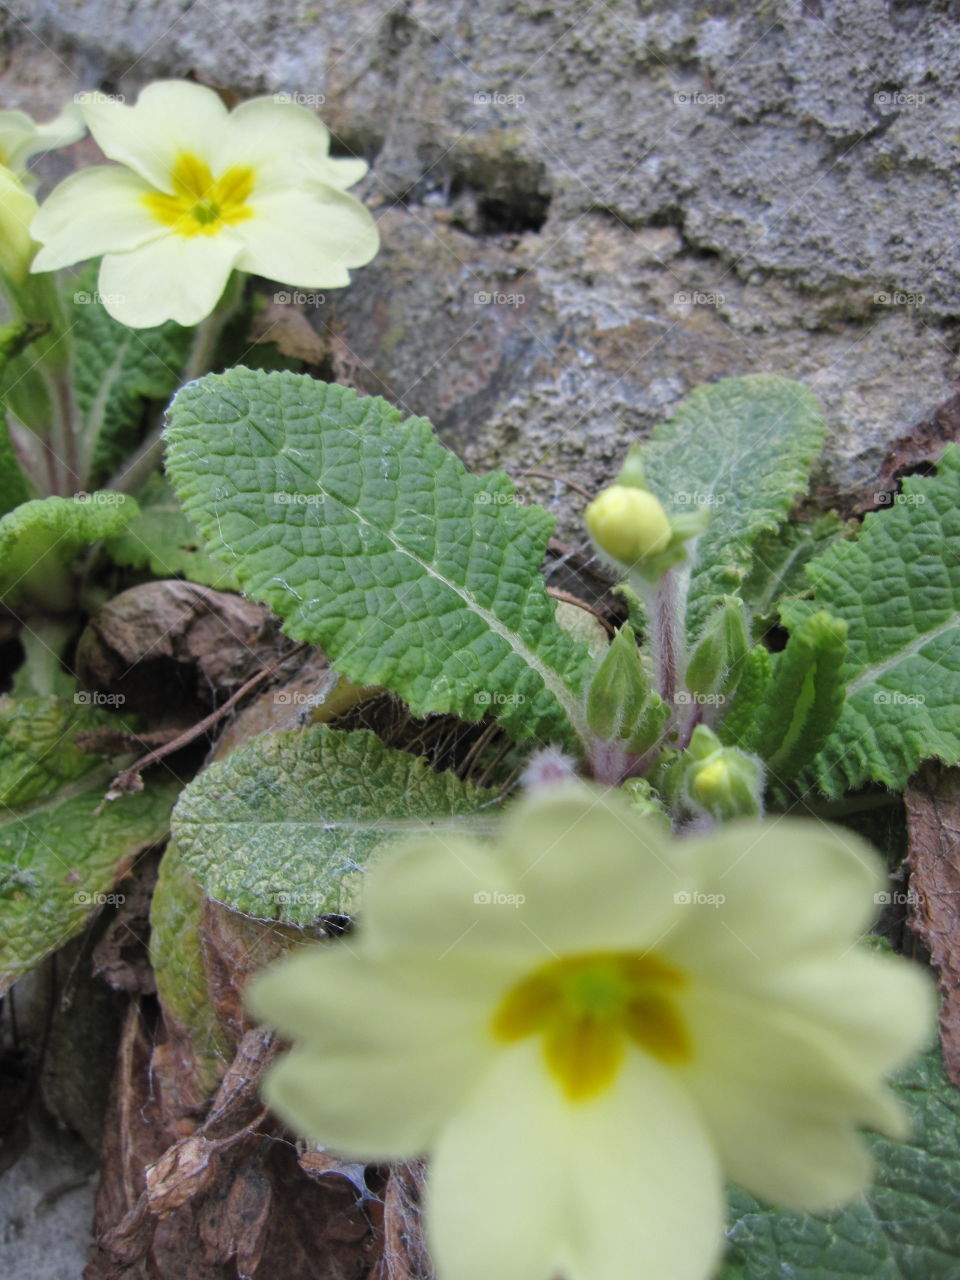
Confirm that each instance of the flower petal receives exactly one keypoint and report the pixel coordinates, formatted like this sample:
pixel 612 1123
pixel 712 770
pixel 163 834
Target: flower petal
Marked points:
pixel 21 137
pixel 596 875
pixel 176 278
pixel 881 1008
pixel 307 238
pixel 267 133
pixel 768 892
pixel 94 211
pixel 170 116
pixel 524 1185
pixel 385 1058
pixel 782 1099
pixel 572 872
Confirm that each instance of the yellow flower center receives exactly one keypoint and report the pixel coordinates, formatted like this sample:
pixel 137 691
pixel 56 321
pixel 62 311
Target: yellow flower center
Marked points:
pixel 203 205
pixel 587 1009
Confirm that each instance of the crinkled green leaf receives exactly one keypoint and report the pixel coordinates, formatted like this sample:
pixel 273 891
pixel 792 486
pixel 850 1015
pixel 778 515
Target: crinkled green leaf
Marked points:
pixel 115 370
pixel 372 540
pixel 907 1225
pixel 780 561
pixel 39 539
pixel 282 828
pixel 163 540
pixel 742 450
pixel 805 696
pixel 58 855
pixel 898 588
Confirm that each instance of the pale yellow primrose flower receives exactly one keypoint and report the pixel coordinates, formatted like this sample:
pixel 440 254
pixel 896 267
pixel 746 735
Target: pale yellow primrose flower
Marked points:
pixel 17 210
pixel 21 137
pixel 199 192
pixel 589 1026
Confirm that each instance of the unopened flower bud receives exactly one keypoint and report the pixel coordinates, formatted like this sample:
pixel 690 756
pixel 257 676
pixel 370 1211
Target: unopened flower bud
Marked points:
pixel 628 524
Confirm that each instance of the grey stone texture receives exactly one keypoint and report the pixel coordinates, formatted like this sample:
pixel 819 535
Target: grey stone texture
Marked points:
pixel 590 206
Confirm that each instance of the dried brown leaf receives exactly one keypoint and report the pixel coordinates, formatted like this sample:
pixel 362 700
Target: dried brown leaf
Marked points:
pixel 932 802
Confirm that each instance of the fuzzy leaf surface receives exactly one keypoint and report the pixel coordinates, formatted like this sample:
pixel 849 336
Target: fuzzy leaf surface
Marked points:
pixel 282 828
pixel 57 853
pixel 742 449
pixel 373 541
pixel 897 585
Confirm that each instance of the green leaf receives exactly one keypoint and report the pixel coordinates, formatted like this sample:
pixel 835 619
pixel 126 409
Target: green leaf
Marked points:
pixel 115 370
pixel 176 955
pixel 907 1225
pixel 805 697
pixel 738 727
pixel 781 558
pixel 39 539
pixel 58 854
pixel 163 540
pixel 13 483
pixel 371 540
pixel 282 828
pixel 742 450
pixel 898 588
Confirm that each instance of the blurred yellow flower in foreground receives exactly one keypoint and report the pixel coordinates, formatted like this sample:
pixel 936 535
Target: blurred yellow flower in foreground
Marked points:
pixel 589 1026
pixel 199 192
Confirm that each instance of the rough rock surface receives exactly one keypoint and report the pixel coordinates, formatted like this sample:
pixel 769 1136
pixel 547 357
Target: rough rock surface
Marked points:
pixel 588 208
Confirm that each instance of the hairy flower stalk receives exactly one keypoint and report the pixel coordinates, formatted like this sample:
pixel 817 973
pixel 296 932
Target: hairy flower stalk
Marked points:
pixel 589 1027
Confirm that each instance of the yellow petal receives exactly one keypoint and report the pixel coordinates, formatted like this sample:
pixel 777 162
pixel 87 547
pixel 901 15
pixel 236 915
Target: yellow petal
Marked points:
pixel 524 1186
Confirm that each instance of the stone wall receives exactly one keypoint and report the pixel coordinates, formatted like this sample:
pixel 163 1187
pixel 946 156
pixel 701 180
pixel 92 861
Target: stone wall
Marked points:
pixel 589 207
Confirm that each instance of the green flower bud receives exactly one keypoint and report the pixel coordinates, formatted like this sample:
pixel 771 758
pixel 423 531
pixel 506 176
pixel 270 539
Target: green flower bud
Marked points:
pixel 725 783
pixel 620 704
pixel 628 524
pixel 716 663
pixel 619 688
